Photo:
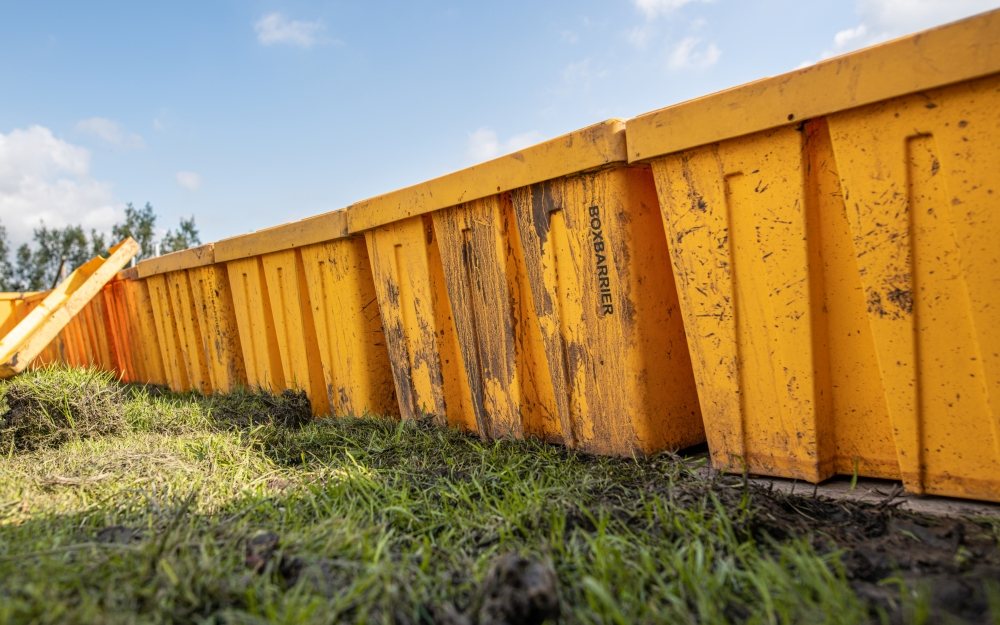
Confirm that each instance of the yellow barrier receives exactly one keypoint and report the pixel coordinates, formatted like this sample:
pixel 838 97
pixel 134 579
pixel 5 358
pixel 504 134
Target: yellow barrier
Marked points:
pixel 13 308
pixel 515 304
pixel 132 334
pixel 142 328
pixel 33 333
pixel 834 235
pixel 305 307
pixel 193 321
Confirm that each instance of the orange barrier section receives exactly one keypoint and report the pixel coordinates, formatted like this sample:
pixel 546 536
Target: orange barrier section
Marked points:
pixel 193 321
pixel 30 337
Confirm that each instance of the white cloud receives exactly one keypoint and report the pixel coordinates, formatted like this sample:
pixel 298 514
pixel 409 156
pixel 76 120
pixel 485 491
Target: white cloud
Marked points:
pixel 110 132
pixel 655 8
pixel 689 53
pixel 189 180
pixel 46 179
pixel 899 17
pixel 275 28
pixel 484 143
pixel 886 19
pixel 638 36
pixel 844 37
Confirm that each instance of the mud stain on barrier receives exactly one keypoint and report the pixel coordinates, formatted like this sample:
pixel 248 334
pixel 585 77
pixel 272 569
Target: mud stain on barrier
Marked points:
pixel 542 205
pixel 902 298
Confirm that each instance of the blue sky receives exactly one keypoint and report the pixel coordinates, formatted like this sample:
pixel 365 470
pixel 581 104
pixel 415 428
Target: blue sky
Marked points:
pixel 250 113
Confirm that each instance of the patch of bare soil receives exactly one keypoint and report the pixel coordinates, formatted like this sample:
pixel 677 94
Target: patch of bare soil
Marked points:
pixel 955 560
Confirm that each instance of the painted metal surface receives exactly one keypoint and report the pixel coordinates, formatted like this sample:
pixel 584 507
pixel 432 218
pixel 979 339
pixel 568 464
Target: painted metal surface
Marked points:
pixel 839 276
pixel 32 335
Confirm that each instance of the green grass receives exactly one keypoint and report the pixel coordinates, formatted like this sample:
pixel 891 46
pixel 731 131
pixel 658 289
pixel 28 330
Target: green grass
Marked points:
pixel 383 522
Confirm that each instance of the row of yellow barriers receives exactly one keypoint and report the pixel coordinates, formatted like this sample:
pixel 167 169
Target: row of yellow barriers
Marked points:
pixel 805 271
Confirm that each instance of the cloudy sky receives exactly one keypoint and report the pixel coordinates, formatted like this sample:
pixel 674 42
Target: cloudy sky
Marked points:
pixel 248 113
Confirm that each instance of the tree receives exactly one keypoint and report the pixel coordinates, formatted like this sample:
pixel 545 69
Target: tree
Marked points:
pixel 140 224
pixel 185 237
pixel 6 268
pixel 55 251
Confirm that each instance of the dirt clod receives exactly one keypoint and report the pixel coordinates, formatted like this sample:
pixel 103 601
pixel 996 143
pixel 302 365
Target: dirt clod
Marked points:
pixel 244 409
pixel 118 535
pixel 260 550
pixel 517 590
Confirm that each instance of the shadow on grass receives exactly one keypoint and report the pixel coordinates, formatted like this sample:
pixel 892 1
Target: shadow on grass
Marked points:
pixel 407 523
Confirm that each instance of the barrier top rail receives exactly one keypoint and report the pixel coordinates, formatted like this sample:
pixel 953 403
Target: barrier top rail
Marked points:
pixel 952 53
pixel 175 261
pixel 589 148
pixel 315 229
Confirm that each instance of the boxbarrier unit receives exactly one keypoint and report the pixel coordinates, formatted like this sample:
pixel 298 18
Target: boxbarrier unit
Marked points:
pixel 307 315
pixel 833 232
pixel 193 320
pixel 532 295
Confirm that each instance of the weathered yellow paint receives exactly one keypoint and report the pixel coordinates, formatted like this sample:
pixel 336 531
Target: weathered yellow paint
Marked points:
pixel 494 309
pixel 765 301
pixel 588 148
pixel 475 254
pixel 168 338
pixel 190 258
pixel 298 350
pixel 352 349
pixel 839 277
pixel 309 231
pixel 258 338
pixel 142 328
pixel 189 331
pixel 29 338
pixel 219 342
pixel 194 321
pixel 305 306
pixel 615 351
pixel 920 180
pixel 131 344
pixel 419 329
pixel 949 54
